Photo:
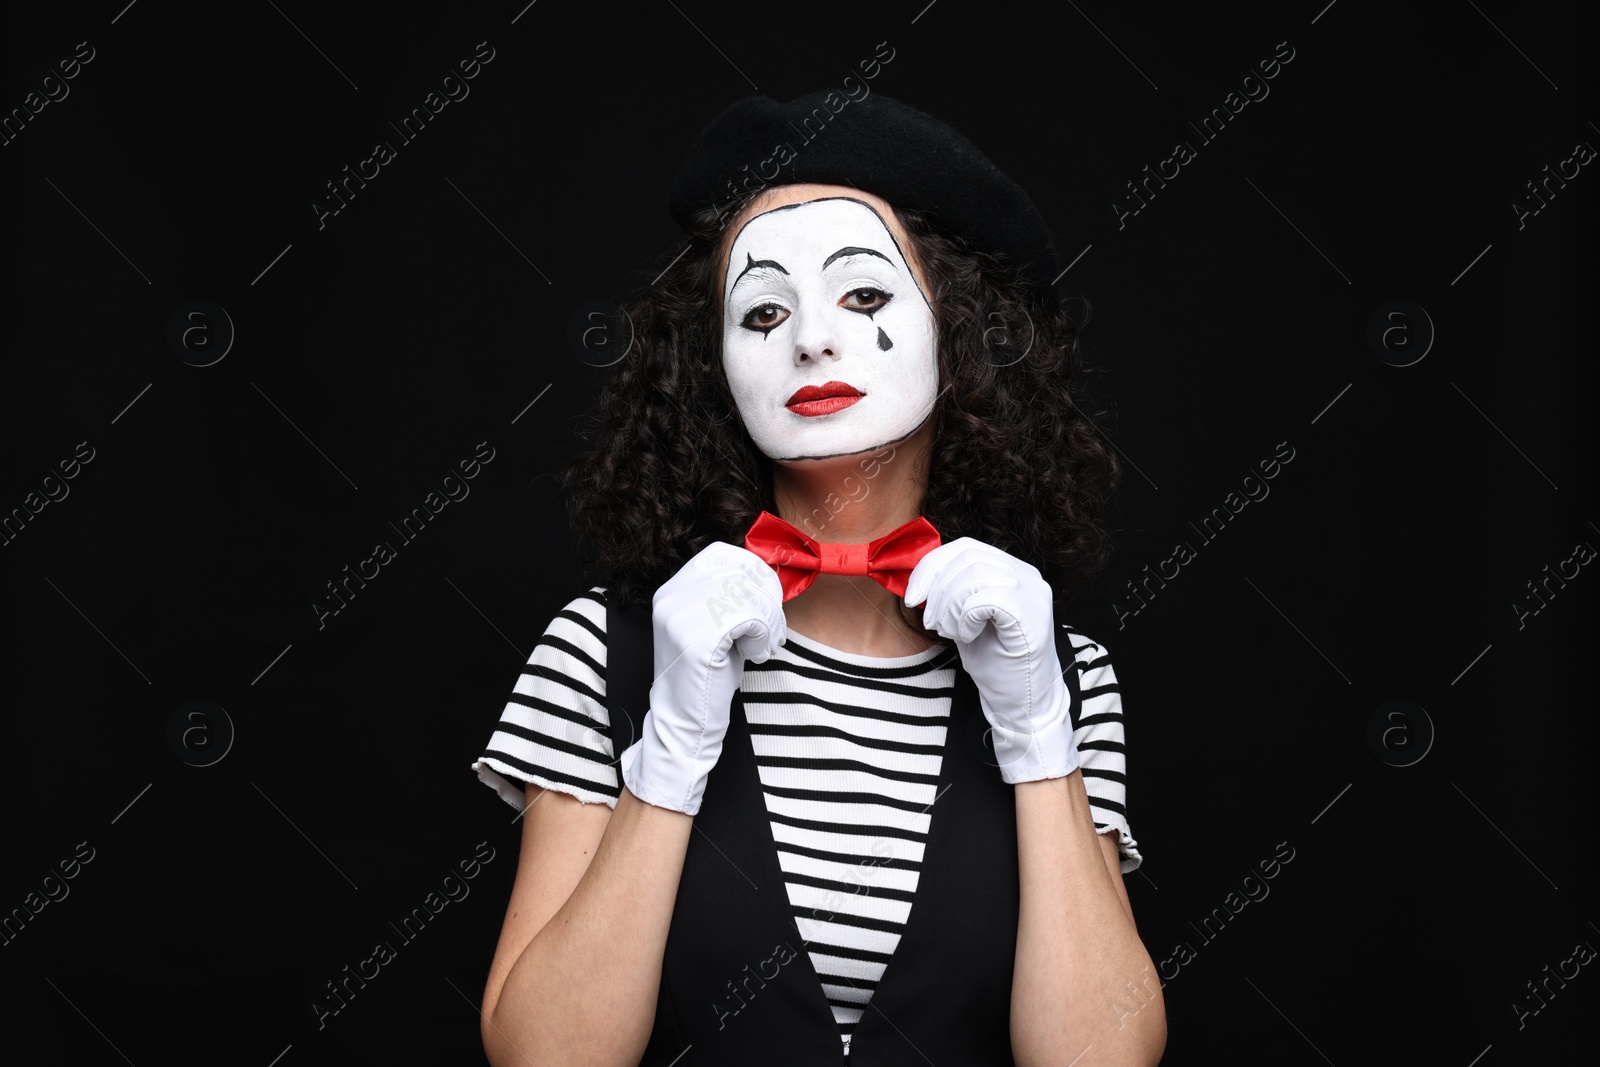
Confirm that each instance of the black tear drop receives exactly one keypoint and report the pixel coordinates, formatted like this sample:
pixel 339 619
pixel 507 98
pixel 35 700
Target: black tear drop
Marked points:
pixel 884 344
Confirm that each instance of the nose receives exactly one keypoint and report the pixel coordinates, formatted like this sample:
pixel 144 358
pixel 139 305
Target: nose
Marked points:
pixel 815 338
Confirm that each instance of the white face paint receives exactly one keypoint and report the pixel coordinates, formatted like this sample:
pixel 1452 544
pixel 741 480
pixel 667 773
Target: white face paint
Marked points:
pixel 831 305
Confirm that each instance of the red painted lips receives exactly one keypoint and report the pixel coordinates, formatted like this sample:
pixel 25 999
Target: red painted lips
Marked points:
pixel 824 399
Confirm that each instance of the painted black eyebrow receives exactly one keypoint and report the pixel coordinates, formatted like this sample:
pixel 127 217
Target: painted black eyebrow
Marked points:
pixel 853 200
pixel 852 252
pixel 754 263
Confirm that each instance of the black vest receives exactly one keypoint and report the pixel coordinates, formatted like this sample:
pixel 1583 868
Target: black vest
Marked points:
pixel 737 984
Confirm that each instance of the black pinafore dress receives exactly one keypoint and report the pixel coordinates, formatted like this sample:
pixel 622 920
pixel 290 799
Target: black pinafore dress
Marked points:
pixel 946 994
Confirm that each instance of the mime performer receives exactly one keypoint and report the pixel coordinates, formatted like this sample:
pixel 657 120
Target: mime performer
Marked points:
pixel 818 771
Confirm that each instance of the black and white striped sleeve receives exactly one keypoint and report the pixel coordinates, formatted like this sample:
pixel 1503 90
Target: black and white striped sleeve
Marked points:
pixel 553 731
pixel 1102 747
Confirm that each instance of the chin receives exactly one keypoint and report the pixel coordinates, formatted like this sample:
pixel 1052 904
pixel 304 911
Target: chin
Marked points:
pixel 832 445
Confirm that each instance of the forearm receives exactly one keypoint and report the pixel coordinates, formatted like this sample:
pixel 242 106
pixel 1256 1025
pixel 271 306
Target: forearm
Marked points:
pixel 1077 947
pixel 584 990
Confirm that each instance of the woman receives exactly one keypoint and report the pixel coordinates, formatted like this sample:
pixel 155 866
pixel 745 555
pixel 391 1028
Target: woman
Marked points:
pixel 852 813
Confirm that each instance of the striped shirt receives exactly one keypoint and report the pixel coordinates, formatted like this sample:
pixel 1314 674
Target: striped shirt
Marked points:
pixel 848 748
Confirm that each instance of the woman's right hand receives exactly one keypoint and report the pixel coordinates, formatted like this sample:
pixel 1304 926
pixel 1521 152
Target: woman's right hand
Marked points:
pixel 723 607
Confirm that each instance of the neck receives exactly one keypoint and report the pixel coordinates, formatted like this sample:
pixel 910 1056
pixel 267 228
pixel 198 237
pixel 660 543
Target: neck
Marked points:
pixel 855 500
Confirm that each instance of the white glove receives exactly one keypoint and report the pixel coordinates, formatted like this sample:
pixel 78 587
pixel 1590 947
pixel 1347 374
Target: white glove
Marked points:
pixel 723 607
pixel 997 609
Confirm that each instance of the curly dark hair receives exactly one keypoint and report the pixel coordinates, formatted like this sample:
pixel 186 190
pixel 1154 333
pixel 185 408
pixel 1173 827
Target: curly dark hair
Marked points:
pixel 1015 462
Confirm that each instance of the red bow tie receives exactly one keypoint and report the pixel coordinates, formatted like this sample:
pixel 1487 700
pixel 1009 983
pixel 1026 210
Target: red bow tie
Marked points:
pixel 798 559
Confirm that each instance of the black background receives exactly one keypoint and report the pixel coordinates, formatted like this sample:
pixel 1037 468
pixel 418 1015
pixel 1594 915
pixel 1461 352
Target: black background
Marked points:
pixel 374 353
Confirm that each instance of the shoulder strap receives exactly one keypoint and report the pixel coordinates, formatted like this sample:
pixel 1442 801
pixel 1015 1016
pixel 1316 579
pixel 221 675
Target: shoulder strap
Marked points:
pixel 630 659
pixel 630 662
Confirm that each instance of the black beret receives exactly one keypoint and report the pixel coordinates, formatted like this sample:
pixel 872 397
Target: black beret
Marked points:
pixel 877 144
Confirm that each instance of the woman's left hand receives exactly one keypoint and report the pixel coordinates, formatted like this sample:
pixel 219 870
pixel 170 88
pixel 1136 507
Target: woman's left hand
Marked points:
pixel 997 609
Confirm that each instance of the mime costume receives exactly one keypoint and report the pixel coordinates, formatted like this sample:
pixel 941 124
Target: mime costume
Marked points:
pixel 850 893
